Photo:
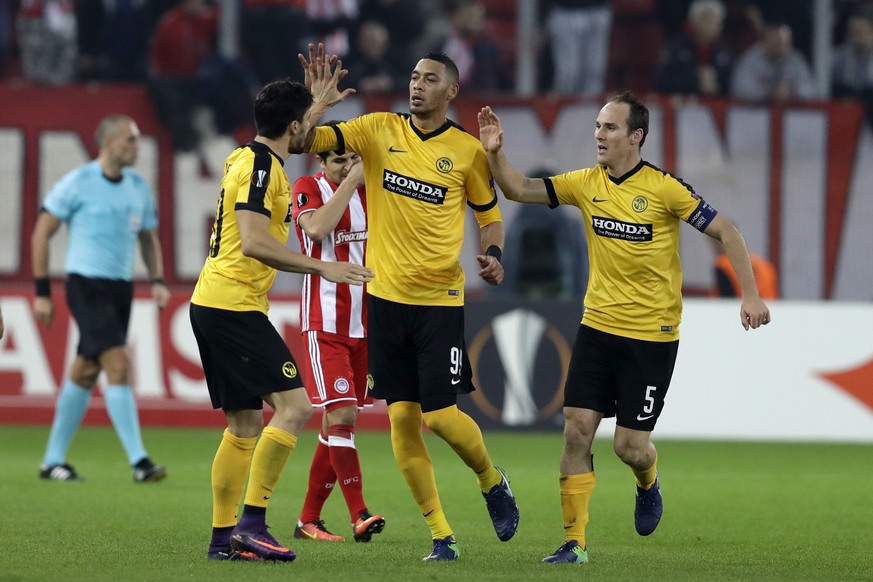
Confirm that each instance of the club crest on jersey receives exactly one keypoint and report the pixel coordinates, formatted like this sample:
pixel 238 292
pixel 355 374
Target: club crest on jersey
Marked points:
pixel 618 229
pixel 412 188
pixel 345 236
pixel 290 214
pixel 260 179
pixel 341 385
pixel 640 204
pixel 444 165
pixel 302 199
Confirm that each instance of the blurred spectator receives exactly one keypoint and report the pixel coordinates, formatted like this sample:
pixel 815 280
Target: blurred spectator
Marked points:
pixel 183 40
pixel 272 33
pixel 187 77
pixel 47 40
pixel 697 61
pixel 797 14
pixel 545 255
pixel 405 22
pixel 852 67
pixel 7 12
pixel 112 40
pixel 579 39
pixel 727 284
pixel 330 22
pixel 480 64
pixel 772 70
pixel 371 69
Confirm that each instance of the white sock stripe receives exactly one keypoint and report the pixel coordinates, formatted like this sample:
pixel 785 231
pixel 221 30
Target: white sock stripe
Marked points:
pixel 338 441
pixel 323 440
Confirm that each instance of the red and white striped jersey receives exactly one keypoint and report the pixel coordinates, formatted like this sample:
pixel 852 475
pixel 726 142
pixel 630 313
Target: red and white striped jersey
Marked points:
pixel 326 306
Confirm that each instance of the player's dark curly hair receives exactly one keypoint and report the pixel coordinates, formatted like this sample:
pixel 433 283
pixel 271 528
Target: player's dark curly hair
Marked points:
pixel 278 104
pixel 638 118
pixel 448 63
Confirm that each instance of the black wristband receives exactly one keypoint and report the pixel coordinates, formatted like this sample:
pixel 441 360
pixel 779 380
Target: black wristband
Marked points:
pixel 43 287
pixel 159 281
pixel 494 251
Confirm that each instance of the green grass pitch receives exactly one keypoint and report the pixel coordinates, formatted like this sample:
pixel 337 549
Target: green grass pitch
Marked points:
pixel 732 511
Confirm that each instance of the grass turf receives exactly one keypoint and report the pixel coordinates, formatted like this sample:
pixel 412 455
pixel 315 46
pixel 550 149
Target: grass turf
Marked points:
pixel 733 511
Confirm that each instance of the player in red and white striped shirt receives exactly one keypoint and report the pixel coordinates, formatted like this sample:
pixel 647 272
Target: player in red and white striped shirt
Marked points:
pixel 329 212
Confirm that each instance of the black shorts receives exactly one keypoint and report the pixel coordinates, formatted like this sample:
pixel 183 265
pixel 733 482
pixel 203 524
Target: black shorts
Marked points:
pixel 618 376
pixel 244 357
pixel 417 353
pixel 101 308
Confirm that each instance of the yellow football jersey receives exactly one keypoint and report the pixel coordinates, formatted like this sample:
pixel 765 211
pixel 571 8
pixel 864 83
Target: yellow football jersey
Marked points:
pixel 254 179
pixel 632 230
pixel 418 186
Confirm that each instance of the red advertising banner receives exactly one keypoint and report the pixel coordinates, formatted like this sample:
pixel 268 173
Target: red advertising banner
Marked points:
pixel 167 378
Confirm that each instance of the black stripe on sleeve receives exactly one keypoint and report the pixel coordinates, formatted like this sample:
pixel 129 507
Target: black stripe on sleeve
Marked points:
pixel 340 140
pixel 253 207
pixel 550 190
pixel 483 207
pixel 260 181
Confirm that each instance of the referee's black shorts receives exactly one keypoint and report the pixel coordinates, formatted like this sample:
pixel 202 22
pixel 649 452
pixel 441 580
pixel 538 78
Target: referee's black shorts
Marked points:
pixel 619 376
pixel 417 353
pixel 101 308
pixel 244 357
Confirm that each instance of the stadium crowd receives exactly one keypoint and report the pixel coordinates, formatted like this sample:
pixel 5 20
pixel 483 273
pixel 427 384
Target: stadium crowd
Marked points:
pixel 705 47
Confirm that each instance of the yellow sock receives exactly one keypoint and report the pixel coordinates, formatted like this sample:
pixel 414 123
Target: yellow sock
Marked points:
pixel 464 436
pixel 229 471
pixel 416 466
pixel 270 456
pixel 645 479
pixel 575 494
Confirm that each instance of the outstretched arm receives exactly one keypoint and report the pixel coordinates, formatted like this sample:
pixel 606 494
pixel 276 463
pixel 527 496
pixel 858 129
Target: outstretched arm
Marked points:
pixel 514 185
pixel 259 244
pixel 753 311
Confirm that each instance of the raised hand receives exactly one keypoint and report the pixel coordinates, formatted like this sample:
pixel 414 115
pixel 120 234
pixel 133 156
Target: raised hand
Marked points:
pixel 490 130
pixel 322 75
pixel 314 57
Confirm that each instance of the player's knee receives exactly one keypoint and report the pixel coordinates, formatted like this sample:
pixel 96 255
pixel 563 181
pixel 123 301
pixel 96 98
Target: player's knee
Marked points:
pixel 245 423
pixel 301 413
pixel 292 416
pixel 439 422
pixel 404 415
pixel 630 452
pixel 342 415
pixel 577 434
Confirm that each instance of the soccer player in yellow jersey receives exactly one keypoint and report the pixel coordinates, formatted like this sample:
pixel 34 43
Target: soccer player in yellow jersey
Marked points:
pixel 421 170
pixel 626 346
pixel 245 360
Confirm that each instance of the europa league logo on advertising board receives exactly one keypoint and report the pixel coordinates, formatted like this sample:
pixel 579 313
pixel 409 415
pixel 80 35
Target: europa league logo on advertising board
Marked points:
pixel 519 362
